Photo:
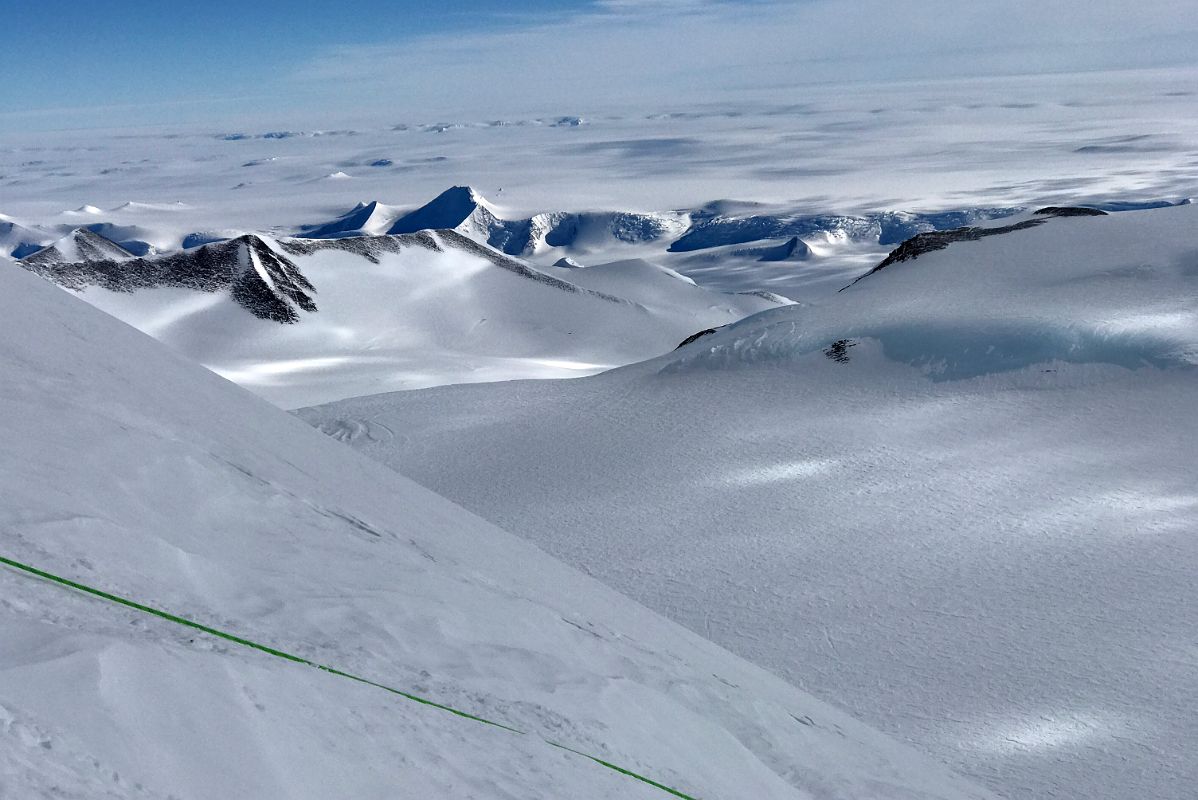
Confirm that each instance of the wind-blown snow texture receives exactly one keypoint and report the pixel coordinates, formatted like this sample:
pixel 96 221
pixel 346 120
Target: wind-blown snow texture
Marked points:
pixel 135 471
pixel 956 498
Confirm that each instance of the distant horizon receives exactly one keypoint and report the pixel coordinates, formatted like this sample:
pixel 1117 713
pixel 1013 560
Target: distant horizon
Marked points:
pixel 137 64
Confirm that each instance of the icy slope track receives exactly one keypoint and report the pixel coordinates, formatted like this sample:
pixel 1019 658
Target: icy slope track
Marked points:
pixel 131 470
pixel 957 498
pixel 303 321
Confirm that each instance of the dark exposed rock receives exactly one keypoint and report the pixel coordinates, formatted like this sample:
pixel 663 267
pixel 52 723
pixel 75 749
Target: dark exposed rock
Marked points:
pixel 266 284
pixel 696 336
pixel 1070 211
pixel 938 240
pixel 369 247
pixel 260 278
pixel 773 297
pixel 81 243
pixel 838 351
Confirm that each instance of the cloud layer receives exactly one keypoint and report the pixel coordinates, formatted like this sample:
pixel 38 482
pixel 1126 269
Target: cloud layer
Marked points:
pixel 630 52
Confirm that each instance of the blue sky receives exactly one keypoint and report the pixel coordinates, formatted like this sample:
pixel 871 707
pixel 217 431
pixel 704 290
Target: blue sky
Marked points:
pixel 61 54
pixel 133 62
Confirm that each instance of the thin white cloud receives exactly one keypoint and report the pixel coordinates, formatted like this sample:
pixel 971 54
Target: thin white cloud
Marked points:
pixel 672 51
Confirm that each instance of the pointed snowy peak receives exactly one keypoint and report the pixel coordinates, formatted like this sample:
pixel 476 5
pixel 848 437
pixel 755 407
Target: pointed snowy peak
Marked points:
pixel 793 249
pixel 458 208
pixel 258 277
pixel 364 219
pixel 80 245
pixel 796 249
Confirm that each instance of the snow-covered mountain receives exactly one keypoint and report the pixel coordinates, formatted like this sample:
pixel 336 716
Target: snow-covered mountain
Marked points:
pixel 364 219
pixel 458 208
pixel 463 209
pixel 17 240
pixel 956 498
pixel 80 245
pixel 246 270
pixel 726 245
pixel 437 299
pixel 141 478
pixel 366 314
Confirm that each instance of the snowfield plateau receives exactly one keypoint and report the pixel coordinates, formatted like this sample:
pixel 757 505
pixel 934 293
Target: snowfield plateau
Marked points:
pixel 133 471
pixel 956 498
pixel 867 469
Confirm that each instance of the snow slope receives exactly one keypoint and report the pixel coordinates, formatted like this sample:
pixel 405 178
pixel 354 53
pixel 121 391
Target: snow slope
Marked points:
pixel 956 498
pixel 130 469
pixel 364 219
pixel 303 321
pixel 17 240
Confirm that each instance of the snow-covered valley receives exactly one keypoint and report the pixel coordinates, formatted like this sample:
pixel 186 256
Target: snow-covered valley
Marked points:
pixel 304 321
pixel 131 470
pixel 955 499
pixel 459 290
pixel 709 399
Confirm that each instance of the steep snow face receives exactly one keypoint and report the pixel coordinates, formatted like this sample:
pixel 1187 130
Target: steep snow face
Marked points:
pixel 364 219
pixel 458 208
pixel 79 245
pixel 373 314
pixel 132 470
pixel 956 498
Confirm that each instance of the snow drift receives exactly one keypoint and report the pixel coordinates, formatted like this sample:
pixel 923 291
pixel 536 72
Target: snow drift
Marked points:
pixel 132 470
pixel 956 498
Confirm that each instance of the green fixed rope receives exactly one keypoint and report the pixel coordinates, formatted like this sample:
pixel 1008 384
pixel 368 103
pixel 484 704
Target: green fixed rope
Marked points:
pixel 228 637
